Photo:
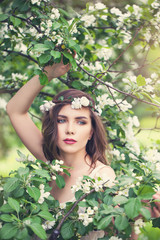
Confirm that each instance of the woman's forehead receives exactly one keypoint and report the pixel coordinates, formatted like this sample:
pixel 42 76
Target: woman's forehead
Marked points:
pixel 68 111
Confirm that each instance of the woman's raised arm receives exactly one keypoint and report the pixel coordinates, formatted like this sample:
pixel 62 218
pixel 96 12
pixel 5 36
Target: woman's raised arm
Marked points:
pixel 18 106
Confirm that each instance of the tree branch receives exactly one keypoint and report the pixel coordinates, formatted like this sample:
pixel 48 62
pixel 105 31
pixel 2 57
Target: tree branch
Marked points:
pixel 117 90
pixel 28 21
pixel 21 54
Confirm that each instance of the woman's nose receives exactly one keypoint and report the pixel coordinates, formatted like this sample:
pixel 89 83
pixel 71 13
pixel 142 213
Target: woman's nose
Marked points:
pixel 70 129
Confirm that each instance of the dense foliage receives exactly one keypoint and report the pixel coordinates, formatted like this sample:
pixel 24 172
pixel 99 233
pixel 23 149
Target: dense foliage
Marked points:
pixel 111 48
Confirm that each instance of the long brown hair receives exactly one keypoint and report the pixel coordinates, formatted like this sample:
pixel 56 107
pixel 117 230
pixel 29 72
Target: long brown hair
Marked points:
pixel 95 147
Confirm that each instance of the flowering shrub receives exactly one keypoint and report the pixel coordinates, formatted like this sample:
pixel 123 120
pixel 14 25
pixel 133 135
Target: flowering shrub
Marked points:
pixel 112 46
pixel 27 208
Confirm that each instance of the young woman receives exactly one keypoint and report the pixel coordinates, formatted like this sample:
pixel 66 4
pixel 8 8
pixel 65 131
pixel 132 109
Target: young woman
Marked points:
pixel 70 132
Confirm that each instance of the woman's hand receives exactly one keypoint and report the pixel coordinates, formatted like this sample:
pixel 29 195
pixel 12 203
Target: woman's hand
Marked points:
pixel 57 69
pixel 156 209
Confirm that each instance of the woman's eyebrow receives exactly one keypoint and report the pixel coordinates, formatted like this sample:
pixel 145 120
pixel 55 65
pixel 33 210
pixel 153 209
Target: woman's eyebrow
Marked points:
pixel 80 117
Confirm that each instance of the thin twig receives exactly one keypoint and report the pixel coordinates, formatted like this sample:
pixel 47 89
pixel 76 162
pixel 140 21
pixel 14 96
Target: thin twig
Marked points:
pixel 138 30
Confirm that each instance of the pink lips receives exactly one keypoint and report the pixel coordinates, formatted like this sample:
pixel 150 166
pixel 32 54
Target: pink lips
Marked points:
pixel 69 141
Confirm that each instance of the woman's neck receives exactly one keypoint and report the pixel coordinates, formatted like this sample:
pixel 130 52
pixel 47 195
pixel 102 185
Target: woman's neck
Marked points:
pixel 77 160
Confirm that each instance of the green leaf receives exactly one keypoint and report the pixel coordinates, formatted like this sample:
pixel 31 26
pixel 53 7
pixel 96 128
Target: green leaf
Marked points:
pixel 86 83
pixel 56 54
pixel 104 222
pixel 121 222
pixel 14 204
pixel 141 81
pixel 38 230
pixel 40 47
pixel 66 172
pixel 145 212
pixel 145 192
pixel 3 17
pixel 6 218
pixel 34 193
pixel 43 173
pixel 60 181
pixel 68 55
pixel 23 171
pixel 119 200
pixel 46 215
pixel 149 232
pixel 56 25
pixel 93 202
pixel 132 208
pixel 44 58
pixel 11 184
pixel 74 45
pixel 43 79
pixel 6 208
pixel 73 24
pixel 18 192
pixel 8 231
pixel 15 21
pixel 22 233
pixel 67 230
pixel 77 84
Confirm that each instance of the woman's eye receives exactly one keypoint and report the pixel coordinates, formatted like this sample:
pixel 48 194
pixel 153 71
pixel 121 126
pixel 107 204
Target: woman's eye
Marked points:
pixel 61 120
pixel 81 122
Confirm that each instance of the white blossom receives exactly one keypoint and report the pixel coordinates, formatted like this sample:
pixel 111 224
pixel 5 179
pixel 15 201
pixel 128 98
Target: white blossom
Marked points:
pixel 56 167
pixel 99 6
pixel 0 225
pixel 62 205
pixel 137 225
pixel 124 106
pixel 85 218
pixel 27 222
pixel 2 78
pixel 53 178
pixel 105 53
pixel 116 11
pixel 135 121
pixel 46 106
pixel 3 103
pixel 76 103
pixel 55 14
pixel 34 1
pixel 155 5
pixel 89 20
pixel 154 75
pixel 43 194
pixel 30 158
pixel 115 238
pixel 84 101
pixel 19 76
pixel 124 192
pixel 48 224
pixel 91 8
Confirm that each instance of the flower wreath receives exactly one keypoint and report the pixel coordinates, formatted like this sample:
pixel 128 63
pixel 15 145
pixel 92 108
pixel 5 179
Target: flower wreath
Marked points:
pixel 76 103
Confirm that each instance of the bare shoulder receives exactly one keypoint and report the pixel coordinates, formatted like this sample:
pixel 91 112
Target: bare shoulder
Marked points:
pixel 106 171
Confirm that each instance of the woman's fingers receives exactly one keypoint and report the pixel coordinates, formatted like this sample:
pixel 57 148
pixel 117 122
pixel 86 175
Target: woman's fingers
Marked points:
pixel 156 209
pixel 156 212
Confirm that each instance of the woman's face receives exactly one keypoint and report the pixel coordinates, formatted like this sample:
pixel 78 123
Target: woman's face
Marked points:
pixel 74 130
